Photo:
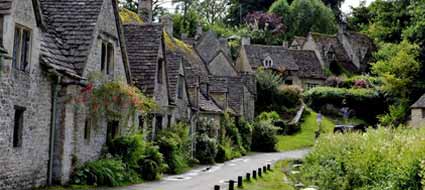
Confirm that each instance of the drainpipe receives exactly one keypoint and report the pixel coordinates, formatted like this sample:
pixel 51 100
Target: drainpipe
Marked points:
pixel 55 90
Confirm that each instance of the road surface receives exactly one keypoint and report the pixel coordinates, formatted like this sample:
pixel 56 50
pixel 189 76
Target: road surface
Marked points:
pixel 205 177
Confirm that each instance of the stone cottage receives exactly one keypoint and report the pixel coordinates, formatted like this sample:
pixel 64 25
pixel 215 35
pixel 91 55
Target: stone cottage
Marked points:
pixel 418 113
pixel 347 50
pixel 145 44
pixel 53 52
pixel 298 67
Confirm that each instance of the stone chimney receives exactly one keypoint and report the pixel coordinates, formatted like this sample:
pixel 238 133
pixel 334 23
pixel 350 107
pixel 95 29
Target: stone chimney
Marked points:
pixel 167 23
pixel 199 31
pixel 145 10
pixel 285 44
pixel 246 41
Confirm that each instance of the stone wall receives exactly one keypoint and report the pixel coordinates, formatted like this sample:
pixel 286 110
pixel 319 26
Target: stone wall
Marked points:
pixel 220 66
pixel 24 167
pixel 417 118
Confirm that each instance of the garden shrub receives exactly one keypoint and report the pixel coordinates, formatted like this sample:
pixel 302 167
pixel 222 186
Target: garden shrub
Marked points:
pixel 139 155
pixel 105 172
pixel 206 149
pixel 245 130
pixel 367 103
pixel 225 151
pixel 268 117
pixel 230 130
pixel 378 159
pixel 174 144
pixel 264 137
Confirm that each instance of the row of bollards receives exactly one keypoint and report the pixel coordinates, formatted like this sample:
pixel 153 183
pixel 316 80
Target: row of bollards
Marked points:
pixel 258 172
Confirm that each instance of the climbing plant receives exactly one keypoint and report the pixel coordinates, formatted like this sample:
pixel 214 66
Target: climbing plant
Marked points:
pixel 113 100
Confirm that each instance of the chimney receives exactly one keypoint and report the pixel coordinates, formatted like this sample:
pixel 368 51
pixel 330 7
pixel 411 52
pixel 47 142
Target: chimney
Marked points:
pixel 167 23
pixel 246 41
pixel 145 10
pixel 199 31
pixel 285 44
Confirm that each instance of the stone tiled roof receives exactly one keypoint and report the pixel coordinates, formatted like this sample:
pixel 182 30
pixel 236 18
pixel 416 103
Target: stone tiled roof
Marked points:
pixel 363 46
pixel 420 103
pixel 70 27
pixel 282 61
pixel 5 7
pixel 327 43
pixel 143 46
pixel 209 45
pixel 173 63
pixel 234 86
pixel 208 104
pixel 308 63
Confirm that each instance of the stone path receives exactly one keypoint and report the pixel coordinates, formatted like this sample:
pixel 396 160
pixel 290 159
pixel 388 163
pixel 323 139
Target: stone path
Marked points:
pixel 205 177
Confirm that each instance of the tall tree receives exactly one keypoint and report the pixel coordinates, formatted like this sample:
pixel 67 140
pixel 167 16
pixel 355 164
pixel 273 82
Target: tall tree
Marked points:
pixel 238 9
pixel 360 17
pixel 335 5
pixel 281 8
pixel 212 11
pixel 310 16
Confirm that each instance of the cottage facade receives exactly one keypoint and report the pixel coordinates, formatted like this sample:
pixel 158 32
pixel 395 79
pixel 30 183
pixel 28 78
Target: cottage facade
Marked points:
pixel 418 113
pixel 53 52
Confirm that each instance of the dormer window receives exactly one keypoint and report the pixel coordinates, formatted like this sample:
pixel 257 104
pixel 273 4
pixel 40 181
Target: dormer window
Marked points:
pixel 330 53
pixel 268 62
pixel 107 62
pixel 180 88
pixel 159 71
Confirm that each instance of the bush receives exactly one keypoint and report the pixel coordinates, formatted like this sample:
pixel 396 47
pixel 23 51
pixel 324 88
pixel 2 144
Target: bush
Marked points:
pixel 206 149
pixel 245 130
pixel 268 117
pixel 174 144
pixel 379 159
pixel 229 129
pixel 264 137
pixel 140 156
pixel 224 151
pixel 366 103
pixel 105 172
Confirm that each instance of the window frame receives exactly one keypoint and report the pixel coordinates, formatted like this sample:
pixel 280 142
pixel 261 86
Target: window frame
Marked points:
pixel 18 126
pixel 87 129
pixel 18 44
pixel 160 72
pixel 180 86
pixel 107 65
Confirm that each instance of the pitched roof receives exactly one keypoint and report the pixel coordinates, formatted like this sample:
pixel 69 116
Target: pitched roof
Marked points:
pixel 234 86
pixel 282 60
pixel 209 45
pixel 5 7
pixel 362 45
pixel 327 42
pixel 173 68
pixel 208 104
pixel 420 103
pixel 308 63
pixel 69 33
pixel 143 46
pixel 300 40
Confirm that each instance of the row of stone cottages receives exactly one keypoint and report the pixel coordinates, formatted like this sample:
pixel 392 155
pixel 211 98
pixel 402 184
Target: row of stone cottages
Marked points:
pixel 50 47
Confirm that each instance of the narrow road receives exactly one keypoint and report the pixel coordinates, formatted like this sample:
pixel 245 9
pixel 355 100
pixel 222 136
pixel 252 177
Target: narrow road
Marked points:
pixel 205 177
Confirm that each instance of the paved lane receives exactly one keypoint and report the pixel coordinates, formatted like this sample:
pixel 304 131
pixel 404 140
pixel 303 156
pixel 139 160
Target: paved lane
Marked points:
pixel 205 177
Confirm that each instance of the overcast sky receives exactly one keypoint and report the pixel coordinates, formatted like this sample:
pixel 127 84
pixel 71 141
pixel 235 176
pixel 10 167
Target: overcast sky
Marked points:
pixel 345 7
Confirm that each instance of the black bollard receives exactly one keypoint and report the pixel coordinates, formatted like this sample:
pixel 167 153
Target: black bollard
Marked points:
pixel 231 185
pixel 259 172
pixel 239 181
pixel 269 167
pixel 216 187
pixel 248 177
pixel 264 169
pixel 254 174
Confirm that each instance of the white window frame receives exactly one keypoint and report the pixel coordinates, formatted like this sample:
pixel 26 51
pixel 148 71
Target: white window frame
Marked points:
pixel 17 48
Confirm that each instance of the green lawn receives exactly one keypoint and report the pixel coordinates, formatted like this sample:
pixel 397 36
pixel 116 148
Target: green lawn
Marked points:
pixel 304 138
pixel 273 180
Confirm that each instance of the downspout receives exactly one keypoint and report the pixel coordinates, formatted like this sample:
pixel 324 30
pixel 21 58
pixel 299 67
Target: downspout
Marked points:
pixel 55 91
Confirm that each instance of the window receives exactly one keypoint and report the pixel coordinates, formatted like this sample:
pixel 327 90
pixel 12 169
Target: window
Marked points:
pixel 423 113
pixel 1 30
pixel 141 122
pixel 21 48
pixel 112 131
pixel 107 59
pixel 159 74
pixel 268 62
pixel 169 121
pixel 18 126
pixel 87 129
pixel 180 88
pixel 288 82
pixel 158 123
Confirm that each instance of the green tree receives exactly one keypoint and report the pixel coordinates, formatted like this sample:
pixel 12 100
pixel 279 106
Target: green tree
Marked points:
pixel 416 30
pixel 398 66
pixel 238 9
pixel 335 5
pixel 281 8
pixel 186 24
pixel 212 11
pixel 360 17
pixel 310 16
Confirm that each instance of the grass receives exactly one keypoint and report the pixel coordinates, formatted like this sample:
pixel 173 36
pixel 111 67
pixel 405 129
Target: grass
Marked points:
pixel 273 180
pixel 304 138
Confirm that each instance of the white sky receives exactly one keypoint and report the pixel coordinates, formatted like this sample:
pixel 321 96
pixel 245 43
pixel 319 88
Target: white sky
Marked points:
pixel 345 7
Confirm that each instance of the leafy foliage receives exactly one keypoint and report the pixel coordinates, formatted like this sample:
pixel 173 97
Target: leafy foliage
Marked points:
pixel 206 149
pixel 245 131
pixel 379 159
pixel 264 137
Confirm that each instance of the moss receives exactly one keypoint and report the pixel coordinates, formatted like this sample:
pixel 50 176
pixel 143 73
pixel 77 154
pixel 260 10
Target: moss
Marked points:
pixel 173 44
pixel 130 17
